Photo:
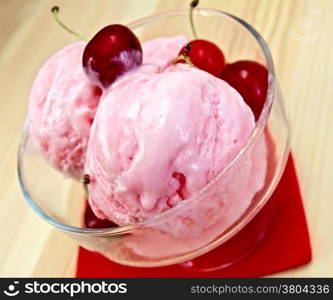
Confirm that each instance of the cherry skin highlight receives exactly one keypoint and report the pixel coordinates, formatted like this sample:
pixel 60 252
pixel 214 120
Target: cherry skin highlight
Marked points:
pixel 250 79
pixel 205 55
pixel 113 51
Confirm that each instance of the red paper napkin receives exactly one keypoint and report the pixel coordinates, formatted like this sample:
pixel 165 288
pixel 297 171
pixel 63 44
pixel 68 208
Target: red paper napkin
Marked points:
pixel 286 246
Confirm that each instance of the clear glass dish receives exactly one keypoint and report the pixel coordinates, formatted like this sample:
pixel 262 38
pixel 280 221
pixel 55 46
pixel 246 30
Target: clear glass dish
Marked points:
pixel 203 223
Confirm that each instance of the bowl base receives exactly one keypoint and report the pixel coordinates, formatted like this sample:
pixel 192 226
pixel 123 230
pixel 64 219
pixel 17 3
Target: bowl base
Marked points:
pixel 239 247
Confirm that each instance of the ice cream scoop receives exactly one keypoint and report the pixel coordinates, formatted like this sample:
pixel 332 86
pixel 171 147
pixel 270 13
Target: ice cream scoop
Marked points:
pixel 158 138
pixel 62 106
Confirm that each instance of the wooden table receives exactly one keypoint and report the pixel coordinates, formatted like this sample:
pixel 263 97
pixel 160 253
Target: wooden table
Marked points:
pixel 299 33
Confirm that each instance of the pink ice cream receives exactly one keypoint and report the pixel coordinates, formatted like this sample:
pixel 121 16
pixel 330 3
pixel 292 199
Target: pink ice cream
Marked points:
pixel 159 135
pixel 158 138
pixel 206 216
pixel 161 51
pixel 61 110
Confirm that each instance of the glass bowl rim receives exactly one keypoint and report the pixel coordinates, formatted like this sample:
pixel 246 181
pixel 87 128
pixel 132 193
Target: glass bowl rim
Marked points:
pixel 260 124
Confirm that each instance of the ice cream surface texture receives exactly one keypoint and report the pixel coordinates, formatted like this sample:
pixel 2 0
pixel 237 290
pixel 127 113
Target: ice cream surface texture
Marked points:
pixel 61 109
pixel 158 138
pixel 161 51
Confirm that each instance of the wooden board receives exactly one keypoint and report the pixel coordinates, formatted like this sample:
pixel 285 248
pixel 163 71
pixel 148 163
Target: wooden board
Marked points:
pixel 299 33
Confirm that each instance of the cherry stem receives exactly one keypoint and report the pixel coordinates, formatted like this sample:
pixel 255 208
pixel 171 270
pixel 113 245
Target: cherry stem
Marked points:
pixel 193 4
pixel 55 10
pixel 85 182
pixel 184 56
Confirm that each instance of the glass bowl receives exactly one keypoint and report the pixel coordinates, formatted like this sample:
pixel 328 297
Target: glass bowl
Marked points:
pixel 218 225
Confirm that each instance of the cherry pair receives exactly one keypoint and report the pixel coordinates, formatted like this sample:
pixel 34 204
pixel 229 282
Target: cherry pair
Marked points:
pixel 249 78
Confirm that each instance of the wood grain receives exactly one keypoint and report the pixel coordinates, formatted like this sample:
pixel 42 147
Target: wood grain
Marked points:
pixel 299 33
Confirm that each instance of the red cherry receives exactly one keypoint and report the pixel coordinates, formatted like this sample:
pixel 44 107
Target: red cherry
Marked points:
pixel 205 55
pixel 113 51
pixel 250 79
pixel 182 184
pixel 91 221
